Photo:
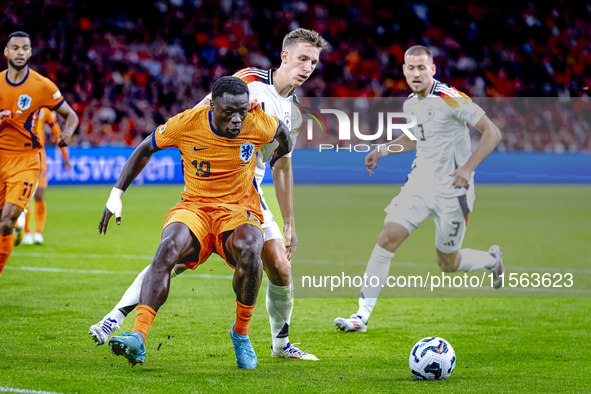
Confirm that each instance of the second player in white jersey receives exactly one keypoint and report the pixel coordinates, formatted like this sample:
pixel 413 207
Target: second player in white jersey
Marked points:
pixel 440 184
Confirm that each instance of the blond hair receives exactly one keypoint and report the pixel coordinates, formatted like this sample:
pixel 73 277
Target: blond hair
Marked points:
pixel 306 36
pixel 418 50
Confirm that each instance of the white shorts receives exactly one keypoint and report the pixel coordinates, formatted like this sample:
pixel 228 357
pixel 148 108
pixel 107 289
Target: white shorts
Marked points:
pixel 450 214
pixel 270 226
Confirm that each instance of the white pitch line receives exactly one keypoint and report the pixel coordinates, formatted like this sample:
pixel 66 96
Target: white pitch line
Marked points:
pixel 4 389
pixel 75 271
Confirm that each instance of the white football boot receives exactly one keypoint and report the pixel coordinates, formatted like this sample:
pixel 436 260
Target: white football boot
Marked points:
pixel 102 330
pixel 354 324
pixel 291 351
pixel 498 269
pixel 38 239
pixel 27 239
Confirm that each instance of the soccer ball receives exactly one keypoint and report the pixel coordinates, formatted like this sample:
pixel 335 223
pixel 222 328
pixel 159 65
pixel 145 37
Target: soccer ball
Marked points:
pixel 432 358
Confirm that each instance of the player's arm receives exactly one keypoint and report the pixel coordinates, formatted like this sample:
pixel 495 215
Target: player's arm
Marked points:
pixel 491 135
pixel 401 144
pixel 285 144
pixel 133 166
pixel 55 131
pixel 283 183
pixel 66 112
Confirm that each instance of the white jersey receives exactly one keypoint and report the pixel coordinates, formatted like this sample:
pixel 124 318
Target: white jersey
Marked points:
pixel 260 87
pixel 443 138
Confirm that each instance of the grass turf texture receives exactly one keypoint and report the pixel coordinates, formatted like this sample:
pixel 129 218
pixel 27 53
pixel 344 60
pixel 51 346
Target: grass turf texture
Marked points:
pixel 502 345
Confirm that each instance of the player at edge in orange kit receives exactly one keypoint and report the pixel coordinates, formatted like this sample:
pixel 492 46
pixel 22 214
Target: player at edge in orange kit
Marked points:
pixel 219 211
pixel 23 92
pixel 50 118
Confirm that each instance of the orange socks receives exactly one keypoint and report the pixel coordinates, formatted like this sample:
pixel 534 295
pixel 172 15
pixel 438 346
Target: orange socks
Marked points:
pixel 6 244
pixel 40 216
pixel 28 222
pixel 143 320
pixel 243 316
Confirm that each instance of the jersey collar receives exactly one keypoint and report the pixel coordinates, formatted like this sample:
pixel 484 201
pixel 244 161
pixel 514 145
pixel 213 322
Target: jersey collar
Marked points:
pixel 213 129
pixel 21 82
pixel 435 83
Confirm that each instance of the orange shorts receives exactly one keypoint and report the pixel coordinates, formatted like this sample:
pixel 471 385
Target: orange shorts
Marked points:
pixel 43 174
pixel 18 178
pixel 208 224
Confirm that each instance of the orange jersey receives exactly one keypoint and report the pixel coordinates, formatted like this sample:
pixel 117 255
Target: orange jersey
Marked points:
pixel 46 116
pixel 18 134
pixel 218 171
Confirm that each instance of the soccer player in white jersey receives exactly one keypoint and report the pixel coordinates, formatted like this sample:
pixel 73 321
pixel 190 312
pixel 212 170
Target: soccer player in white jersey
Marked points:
pixel 439 185
pixel 273 89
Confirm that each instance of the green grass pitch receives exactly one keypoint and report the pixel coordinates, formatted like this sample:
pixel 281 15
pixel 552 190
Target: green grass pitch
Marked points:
pixel 505 344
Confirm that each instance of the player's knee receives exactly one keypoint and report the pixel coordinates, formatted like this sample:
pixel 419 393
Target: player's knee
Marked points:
pixel 168 252
pixel 389 240
pixel 278 268
pixel 248 247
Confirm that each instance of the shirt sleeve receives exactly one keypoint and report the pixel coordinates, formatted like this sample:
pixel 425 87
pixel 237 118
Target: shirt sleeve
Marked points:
pixel 52 97
pixel 168 135
pixel 463 106
pixel 267 124
pixel 470 112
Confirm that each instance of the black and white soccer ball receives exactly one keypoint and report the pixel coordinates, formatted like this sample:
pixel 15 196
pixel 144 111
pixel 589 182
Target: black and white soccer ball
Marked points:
pixel 432 358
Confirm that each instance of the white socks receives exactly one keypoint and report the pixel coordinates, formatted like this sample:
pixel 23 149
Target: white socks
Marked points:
pixel 378 266
pixel 279 306
pixel 473 260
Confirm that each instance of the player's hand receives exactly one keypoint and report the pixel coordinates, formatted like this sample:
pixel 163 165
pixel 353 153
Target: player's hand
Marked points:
pixel 371 161
pixel 253 104
pixel 114 207
pixel 67 165
pixel 291 240
pixel 462 177
pixel 64 139
pixel 6 113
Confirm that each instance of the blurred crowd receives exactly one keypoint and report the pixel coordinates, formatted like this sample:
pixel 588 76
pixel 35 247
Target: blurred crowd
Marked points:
pixel 126 67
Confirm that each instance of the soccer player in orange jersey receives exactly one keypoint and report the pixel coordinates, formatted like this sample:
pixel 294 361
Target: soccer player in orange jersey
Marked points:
pixel 274 90
pixel 45 116
pixel 220 209
pixel 22 93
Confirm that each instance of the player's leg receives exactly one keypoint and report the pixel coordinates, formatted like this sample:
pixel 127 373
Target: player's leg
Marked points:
pixel 406 212
pixel 18 179
pixel 101 331
pixel 40 215
pixel 279 298
pixel 242 248
pixel 451 219
pixel 40 207
pixel 8 217
pixel 391 237
pixel 177 242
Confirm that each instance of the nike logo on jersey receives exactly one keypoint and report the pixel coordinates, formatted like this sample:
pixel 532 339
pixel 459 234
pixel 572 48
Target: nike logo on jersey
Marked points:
pixel 197 150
